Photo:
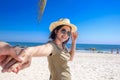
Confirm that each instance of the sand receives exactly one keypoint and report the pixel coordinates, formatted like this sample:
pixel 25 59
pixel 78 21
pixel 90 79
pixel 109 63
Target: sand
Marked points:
pixel 85 66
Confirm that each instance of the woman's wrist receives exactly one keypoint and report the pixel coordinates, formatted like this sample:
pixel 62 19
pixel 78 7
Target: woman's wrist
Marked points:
pixel 28 51
pixel 18 50
pixel 73 42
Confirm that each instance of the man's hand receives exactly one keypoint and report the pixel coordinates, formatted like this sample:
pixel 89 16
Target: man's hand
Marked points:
pixel 5 51
pixel 15 66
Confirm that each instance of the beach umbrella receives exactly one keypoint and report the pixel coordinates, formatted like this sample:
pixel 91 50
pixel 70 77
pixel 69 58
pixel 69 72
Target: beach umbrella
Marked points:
pixel 42 4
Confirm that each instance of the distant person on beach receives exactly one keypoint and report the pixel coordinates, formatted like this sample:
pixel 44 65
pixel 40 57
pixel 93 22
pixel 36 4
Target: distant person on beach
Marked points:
pixel 117 51
pixel 55 50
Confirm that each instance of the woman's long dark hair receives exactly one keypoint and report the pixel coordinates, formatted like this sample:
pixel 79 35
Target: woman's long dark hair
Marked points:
pixel 53 34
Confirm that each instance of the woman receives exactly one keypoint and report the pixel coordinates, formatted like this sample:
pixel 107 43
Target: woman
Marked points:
pixel 55 50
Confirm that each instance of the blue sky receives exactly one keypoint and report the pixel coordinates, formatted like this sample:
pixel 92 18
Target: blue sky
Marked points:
pixel 98 21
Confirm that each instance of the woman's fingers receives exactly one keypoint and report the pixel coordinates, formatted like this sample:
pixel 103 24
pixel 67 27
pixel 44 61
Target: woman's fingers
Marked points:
pixel 8 65
pixel 14 68
pixel 18 66
pixel 74 35
pixel 25 65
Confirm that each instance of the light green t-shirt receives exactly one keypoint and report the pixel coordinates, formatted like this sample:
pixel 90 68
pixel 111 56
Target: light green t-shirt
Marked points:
pixel 57 61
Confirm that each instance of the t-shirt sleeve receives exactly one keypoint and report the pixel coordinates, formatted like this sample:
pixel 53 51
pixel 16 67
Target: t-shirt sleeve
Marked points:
pixel 54 50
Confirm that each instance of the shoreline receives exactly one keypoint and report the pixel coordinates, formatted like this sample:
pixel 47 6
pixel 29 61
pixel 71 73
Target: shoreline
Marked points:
pixel 101 48
pixel 97 51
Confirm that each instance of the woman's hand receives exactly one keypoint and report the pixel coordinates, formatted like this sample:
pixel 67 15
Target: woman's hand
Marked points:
pixel 15 66
pixel 74 36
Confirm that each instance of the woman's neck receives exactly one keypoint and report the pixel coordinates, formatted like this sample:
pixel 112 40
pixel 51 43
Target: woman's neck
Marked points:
pixel 59 43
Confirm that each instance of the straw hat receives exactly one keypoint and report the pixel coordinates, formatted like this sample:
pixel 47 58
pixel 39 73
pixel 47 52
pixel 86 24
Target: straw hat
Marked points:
pixel 63 21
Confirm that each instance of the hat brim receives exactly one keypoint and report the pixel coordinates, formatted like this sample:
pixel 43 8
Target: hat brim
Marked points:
pixel 55 24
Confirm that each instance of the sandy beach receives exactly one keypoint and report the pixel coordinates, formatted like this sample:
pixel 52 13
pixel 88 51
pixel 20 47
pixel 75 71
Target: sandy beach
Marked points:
pixel 85 66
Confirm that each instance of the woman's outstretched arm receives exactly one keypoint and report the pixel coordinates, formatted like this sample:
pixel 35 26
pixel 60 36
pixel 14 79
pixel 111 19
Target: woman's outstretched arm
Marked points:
pixel 38 51
pixel 26 56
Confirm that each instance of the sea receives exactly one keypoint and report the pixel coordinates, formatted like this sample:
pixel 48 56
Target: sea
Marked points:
pixel 83 47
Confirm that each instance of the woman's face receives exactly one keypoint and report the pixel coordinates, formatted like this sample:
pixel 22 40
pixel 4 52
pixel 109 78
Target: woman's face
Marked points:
pixel 63 34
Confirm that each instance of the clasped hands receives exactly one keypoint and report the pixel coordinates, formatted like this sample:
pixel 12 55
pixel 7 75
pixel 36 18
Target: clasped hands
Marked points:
pixel 13 59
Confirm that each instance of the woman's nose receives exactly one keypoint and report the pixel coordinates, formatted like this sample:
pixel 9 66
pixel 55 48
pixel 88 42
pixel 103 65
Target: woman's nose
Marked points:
pixel 65 35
